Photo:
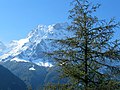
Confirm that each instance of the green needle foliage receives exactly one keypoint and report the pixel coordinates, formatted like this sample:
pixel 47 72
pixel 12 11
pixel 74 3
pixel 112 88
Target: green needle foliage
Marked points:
pixel 89 58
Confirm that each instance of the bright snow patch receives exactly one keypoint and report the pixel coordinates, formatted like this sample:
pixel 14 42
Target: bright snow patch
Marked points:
pixel 23 41
pixel 45 64
pixel 4 56
pixel 18 60
pixel 32 68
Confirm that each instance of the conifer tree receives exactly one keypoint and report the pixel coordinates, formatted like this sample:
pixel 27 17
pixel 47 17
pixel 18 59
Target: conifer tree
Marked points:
pixel 89 58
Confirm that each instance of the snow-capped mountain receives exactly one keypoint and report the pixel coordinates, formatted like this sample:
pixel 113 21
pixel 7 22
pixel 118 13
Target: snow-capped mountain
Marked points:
pixel 26 57
pixel 37 42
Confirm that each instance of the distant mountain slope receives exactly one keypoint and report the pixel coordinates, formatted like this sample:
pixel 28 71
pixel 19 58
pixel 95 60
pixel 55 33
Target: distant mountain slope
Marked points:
pixel 9 81
pixel 32 74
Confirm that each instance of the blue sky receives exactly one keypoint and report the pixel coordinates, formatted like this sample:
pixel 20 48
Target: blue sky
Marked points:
pixel 19 17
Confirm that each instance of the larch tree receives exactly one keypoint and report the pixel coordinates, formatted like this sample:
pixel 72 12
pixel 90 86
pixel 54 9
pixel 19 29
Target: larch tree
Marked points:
pixel 90 57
